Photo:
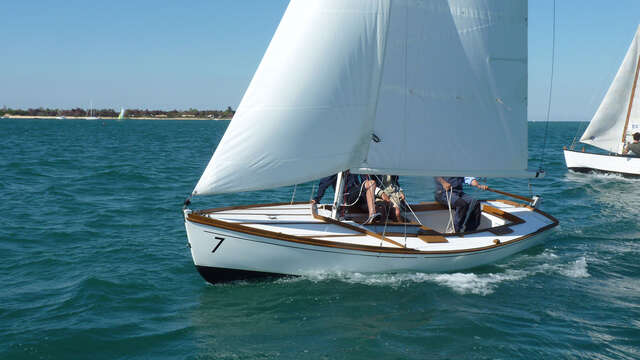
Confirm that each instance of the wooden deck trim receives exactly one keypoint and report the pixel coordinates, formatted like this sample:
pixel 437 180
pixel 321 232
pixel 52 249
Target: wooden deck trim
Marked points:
pixel 200 219
pixel 326 236
pixel 426 206
pixel 314 213
pixel 513 203
pixel 196 217
pixel 502 214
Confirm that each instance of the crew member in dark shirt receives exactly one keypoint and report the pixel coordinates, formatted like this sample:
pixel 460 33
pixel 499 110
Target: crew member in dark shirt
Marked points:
pixel 634 147
pixel 357 193
pixel 468 212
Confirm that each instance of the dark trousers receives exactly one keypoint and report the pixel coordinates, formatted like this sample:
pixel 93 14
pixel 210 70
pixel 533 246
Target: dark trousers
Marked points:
pixel 468 212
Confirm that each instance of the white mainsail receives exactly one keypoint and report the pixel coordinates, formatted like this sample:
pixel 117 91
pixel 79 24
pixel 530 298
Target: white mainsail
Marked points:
pixel 606 128
pixel 402 87
pixel 453 97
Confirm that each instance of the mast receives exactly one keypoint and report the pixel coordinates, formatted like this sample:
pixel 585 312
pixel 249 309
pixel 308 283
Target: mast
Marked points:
pixel 337 200
pixel 633 92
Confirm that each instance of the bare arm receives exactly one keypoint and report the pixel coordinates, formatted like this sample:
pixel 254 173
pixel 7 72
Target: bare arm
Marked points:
pixel 475 183
pixel 444 183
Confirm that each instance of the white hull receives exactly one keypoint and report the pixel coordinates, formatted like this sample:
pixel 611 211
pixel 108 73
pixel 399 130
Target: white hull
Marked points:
pixel 590 162
pixel 295 243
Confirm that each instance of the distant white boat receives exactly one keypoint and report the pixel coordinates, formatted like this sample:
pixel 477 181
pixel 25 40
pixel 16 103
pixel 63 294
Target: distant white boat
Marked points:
pixel 60 117
pixel 613 124
pixel 91 113
pixel 121 115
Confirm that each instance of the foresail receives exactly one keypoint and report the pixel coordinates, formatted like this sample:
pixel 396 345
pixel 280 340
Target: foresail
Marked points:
pixel 309 108
pixel 606 127
pixel 453 96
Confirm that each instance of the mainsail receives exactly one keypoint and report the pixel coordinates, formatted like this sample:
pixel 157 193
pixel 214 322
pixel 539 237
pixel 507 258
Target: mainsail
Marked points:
pixel 403 87
pixel 606 129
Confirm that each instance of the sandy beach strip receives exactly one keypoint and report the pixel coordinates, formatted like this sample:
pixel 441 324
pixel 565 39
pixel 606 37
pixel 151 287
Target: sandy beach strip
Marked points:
pixel 103 118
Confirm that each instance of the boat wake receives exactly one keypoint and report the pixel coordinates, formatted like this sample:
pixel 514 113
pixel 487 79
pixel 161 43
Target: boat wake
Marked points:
pixel 588 178
pixel 474 283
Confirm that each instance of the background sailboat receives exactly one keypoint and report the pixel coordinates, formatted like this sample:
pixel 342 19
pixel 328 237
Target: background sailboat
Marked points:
pixel 91 112
pixel 613 124
pixel 121 115
pixel 387 87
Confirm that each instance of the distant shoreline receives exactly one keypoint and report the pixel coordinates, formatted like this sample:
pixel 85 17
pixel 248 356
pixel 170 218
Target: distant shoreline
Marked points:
pixel 105 118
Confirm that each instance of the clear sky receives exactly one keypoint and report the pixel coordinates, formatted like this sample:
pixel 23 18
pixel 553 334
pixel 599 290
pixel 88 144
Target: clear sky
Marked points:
pixel 202 54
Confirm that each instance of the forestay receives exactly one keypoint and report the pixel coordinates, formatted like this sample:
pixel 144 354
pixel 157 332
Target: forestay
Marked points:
pixel 402 87
pixel 606 128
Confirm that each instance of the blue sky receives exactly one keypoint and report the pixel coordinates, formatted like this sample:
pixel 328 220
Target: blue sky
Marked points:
pixel 202 54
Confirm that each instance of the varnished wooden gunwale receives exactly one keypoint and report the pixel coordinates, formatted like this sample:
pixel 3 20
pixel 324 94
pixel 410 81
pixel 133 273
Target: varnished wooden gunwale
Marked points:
pixel 328 220
pixel 514 220
pixel 196 217
pixel 529 200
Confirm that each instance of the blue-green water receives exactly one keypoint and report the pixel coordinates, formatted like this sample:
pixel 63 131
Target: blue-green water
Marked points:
pixel 95 264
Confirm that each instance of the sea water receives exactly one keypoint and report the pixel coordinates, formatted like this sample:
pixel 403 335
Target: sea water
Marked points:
pixel 95 263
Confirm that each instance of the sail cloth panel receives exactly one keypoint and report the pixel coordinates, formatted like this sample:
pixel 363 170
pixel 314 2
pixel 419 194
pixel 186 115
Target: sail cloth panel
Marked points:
pixel 453 97
pixel 606 127
pixel 309 108
pixel 441 84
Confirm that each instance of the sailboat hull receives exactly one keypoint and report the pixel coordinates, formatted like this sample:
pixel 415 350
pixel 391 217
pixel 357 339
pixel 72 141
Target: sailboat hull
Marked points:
pixel 224 250
pixel 586 162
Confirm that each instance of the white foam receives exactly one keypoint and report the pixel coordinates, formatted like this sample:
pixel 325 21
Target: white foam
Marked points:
pixel 483 284
pixel 463 282
pixel 577 269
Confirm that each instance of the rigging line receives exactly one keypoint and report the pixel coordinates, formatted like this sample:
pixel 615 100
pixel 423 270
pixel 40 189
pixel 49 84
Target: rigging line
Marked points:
pixel 313 188
pixel 294 193
pixel 358 198
pixel 553 59
pixel 451 226
pixel 404 212
pixel 414 214
pixel 386 220
pixel 573 142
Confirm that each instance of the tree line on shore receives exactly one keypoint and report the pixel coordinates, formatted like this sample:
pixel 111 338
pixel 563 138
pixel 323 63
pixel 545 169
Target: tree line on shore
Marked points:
pixel 130 113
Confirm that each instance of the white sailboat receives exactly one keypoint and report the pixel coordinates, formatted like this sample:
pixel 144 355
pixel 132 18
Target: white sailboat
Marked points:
pixel 91 114
pixel 121 115
pixel 386 87
pixel 614 123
